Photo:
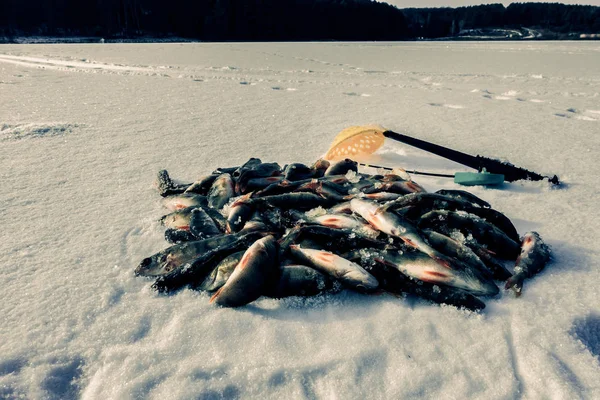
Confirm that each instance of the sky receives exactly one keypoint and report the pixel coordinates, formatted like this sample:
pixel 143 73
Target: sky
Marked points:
pixel 460 3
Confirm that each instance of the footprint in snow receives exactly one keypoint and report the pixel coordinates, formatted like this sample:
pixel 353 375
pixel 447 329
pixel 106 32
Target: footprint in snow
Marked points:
pixel 357 94
pixel 573 113
pixel 452 106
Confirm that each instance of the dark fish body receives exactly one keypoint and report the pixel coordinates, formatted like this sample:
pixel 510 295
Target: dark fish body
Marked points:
pixel 179 236
pixel 469 224
pixel 499 272
pixel 534 256
pixel 166 186
pixel 203 185
pixel 202 225
pixel 256 184
pixel 248 165
pixel 221 273
pixel 262 170
pixel 221 191
pixel 497 219
pixel 256 271
pixel 297 172
pixel 455 249
pixel 423 202
pixel 173 257
pixel 464 195
pixel 184 200
pixel 342 167
pixel 299 201
pixel 299 280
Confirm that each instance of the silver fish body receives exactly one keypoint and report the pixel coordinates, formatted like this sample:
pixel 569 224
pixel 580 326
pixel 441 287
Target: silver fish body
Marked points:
pixel 534 256
pixel 184 200
pixel 348 273
pixel 420 266
pixel 256 270
pixel 221 273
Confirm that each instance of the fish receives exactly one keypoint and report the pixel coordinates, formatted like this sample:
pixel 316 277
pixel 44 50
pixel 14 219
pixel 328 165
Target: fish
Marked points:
pixel 326 238
pixel 299 280
pixel 179 236
pixel 422 203
pixel 342 167
pixel 319 167
pixel 256 270
pixel 533 257
pixel 393 281
pixel 464 195
pixel 202 185
pixel 400 187
pixel 299 201
pixel 298 172
pixel 419 265
pixel 184 200
pixel 195 222
pixel 173 257
pixel 221 273
pixel 458 250
pixel 396 226
pixel 257 184
pixel 166 186
pixel 179 219
pixel 221 191
pixel 240 212
pixel 248 165
pixel 340 221
pixel 195 272
pixel 262 170
pixel 202 225
pixel 348 273
pixel 482 231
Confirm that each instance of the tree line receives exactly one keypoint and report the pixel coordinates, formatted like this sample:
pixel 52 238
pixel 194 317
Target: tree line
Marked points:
pixel 278 20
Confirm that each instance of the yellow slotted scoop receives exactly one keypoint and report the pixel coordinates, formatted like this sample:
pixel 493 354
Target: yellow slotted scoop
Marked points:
pixel 355 141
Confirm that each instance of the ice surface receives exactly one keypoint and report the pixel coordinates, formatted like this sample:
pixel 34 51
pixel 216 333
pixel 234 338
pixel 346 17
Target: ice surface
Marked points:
pixel 85 128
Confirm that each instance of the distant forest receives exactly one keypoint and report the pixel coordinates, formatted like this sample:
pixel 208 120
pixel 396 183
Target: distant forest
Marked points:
pixel 281 20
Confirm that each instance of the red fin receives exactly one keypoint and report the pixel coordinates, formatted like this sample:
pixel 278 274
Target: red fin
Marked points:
pixel 214 296
pixel 435 273
pixel 324 256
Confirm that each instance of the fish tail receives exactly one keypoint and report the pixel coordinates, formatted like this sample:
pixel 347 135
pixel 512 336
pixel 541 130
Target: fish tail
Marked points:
pixel 515 283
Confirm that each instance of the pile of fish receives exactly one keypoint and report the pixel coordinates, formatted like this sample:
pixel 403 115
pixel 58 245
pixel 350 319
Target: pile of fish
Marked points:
pixel 262 230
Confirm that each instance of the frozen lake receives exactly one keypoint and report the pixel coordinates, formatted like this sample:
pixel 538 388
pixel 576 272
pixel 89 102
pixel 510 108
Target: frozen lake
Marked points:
pixel 85 128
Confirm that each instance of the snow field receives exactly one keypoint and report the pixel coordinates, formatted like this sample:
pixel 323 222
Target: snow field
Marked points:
pixel 85 128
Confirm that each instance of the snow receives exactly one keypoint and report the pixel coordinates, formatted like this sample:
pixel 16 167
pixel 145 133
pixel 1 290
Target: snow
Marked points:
pixel 84 128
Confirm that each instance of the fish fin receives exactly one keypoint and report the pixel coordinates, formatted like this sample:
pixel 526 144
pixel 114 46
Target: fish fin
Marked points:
pixel 515 283
pixel 214 296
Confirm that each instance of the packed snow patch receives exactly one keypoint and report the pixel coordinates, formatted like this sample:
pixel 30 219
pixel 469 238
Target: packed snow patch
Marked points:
pixel 35 130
